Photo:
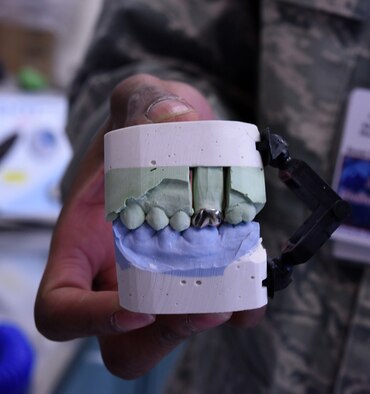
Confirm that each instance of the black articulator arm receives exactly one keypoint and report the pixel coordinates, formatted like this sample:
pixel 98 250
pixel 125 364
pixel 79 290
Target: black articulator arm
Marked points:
pixel 328 210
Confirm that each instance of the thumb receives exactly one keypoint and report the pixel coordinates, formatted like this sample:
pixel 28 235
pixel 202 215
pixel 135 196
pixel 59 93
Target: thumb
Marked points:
pixel 145 99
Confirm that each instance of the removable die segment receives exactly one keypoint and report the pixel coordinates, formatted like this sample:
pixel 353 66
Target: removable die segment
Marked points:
pixel 208 188
pixel 245 193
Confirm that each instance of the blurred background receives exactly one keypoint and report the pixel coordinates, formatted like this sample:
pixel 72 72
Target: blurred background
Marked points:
pixel 42 43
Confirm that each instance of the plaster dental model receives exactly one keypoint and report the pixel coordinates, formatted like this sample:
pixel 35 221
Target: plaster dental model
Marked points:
pixel 182 197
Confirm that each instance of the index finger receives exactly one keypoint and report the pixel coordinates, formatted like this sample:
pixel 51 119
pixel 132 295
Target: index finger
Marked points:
pixel 66 305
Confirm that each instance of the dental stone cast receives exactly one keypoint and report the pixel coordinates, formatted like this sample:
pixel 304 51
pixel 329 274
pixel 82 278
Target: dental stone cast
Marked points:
pixel 157 178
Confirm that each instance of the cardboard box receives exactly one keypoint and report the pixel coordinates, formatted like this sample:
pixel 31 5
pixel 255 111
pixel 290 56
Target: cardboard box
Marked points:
pixel 23 46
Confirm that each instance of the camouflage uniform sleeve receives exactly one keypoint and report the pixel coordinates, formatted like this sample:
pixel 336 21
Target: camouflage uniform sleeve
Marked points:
pixel 315 338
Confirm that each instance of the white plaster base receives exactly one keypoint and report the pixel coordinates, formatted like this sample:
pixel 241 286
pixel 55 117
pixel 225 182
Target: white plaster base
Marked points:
pixel 239 288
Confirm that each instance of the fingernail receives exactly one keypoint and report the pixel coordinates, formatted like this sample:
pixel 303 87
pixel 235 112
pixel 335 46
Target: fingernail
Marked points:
pixel 124 321
pixel 167 108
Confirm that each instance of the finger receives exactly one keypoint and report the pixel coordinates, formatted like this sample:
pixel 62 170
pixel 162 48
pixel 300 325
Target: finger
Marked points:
pixel 145 347
pixel 145 99
pixel 248 319
pixel 69 313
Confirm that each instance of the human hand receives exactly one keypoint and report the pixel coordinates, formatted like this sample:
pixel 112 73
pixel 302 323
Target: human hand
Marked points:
pixel 78 293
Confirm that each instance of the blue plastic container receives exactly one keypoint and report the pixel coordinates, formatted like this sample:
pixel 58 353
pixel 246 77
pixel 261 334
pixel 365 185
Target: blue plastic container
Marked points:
pixel 16 360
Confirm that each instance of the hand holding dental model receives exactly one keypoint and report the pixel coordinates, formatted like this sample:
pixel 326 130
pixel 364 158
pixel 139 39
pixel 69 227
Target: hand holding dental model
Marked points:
pixel 78 295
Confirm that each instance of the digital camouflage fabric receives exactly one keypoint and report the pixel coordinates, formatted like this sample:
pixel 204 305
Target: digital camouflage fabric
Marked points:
pixel 289 65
